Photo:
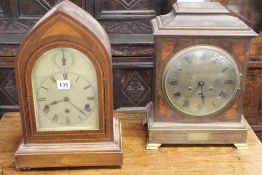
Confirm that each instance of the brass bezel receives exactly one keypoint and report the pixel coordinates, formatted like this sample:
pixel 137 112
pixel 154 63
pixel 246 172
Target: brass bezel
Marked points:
pixel 195 47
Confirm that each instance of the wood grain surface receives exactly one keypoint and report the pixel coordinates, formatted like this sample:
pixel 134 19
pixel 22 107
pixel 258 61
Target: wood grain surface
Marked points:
pixel 178 160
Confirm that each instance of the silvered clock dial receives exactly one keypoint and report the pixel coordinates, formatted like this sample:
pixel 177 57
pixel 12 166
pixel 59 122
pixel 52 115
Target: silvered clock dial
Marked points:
pixel 201 80
pixel 65 91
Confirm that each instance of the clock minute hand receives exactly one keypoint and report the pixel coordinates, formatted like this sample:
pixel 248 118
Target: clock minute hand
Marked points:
pixel 66 99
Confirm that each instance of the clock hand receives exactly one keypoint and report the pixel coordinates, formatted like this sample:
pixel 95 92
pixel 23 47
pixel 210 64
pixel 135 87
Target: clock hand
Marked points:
pixel 66 99
pixel 193 92
pixel 201 84
pixel 55 102
pixel 63 58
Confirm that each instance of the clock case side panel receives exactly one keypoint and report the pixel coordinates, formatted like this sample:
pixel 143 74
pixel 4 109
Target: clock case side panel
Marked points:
pixel 167 46
pixel 79 36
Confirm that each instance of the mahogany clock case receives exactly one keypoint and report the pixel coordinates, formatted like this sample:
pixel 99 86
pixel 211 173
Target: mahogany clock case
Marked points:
pixel 168 126
pixel 169 47
pixel 34 46
pixel 67 25
pixel 174 32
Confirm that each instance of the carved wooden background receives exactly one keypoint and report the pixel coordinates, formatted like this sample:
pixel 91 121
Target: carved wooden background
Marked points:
pixel 250 12
pixel 127 23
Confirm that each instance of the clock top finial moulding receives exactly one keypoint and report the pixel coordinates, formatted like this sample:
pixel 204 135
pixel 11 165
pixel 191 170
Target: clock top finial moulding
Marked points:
pixel 200 65
pixel 64 80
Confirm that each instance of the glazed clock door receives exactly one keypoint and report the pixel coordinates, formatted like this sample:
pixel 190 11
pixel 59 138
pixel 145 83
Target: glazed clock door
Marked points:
pixel 65 91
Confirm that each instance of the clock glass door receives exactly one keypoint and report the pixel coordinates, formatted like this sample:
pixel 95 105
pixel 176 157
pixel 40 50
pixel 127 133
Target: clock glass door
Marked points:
pixel 65 91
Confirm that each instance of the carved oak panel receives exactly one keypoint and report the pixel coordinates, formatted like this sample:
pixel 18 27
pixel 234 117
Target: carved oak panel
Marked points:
pixel 138 26
pixel 4 8
pixel 126 16
pixel 1 9
pixel 36 8
pixel 132 87
pixel 251 15
pixel 8 93
pixel 113 9
pixel 132 51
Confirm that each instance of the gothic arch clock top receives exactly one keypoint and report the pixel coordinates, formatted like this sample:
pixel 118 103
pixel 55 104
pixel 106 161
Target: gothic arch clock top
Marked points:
pixel 64 79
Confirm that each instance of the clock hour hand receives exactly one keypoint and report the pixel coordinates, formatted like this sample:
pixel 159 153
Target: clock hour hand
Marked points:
pixel 55 102
pixel 66 99
pixel 193 92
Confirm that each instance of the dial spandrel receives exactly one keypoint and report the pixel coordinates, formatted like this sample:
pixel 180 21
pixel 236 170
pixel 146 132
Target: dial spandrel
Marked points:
pixel 201 80
pixel 64 80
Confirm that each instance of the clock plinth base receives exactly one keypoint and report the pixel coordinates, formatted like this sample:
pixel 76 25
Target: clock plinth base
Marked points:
pixel 191 133
pixel 30 156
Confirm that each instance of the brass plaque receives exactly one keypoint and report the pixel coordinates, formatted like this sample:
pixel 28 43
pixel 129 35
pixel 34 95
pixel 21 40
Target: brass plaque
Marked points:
pixel 198 136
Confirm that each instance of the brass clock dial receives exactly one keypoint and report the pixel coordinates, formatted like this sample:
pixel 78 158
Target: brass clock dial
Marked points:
pixel 65 91
pixel 201 80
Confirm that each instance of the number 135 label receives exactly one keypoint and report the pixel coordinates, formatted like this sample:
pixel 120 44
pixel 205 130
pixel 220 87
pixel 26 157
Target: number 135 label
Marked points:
pixel 63 84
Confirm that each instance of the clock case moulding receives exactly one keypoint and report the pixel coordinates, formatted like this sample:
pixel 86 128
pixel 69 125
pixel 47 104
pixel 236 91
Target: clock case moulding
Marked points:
pixel 67 25
pixel 190 24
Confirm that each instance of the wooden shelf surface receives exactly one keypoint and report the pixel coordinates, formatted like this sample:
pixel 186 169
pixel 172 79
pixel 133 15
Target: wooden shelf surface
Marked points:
pixel 168 160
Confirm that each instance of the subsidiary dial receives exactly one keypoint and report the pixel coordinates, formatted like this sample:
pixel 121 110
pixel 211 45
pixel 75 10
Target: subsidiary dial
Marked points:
pixel 64 58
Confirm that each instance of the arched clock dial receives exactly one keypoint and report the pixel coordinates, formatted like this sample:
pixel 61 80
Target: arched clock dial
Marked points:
pixel 201 80
pixel 65 89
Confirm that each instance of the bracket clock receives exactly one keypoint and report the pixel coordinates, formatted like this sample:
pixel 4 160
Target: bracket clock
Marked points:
pixel 64 80
pixel 200 66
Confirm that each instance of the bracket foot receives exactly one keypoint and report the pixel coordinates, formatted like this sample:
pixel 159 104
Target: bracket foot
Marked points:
pixel 241 146
pixel 153 146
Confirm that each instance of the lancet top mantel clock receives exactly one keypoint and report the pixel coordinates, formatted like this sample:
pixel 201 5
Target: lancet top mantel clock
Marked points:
pixel 64 80
pixel 200 65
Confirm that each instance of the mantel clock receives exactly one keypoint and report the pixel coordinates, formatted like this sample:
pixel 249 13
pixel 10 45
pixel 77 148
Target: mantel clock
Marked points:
pixel 64 80
pixel 200 66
